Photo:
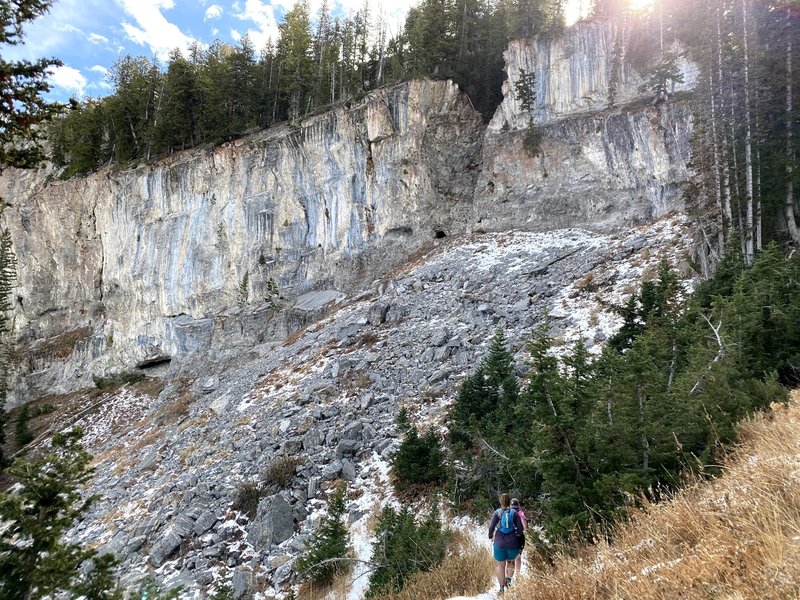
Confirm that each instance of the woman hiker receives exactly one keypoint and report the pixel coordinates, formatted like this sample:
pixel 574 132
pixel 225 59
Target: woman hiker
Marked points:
pixel 505 529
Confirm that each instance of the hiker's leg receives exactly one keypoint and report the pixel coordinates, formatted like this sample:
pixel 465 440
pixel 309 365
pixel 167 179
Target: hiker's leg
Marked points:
pixel 518 563
pixel 501 573
pixel 510 568
pixel 500 559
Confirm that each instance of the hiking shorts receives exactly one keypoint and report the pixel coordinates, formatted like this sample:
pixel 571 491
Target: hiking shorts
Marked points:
pixel 501 554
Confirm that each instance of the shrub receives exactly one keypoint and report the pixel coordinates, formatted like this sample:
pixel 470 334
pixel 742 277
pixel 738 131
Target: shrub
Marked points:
pixel 281 471
pixel 462 573
pixel 532 140
pixel 114 380
pixel 248 495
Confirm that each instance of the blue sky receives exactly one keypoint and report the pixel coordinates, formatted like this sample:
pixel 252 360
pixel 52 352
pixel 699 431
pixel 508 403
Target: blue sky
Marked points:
pixel 89 35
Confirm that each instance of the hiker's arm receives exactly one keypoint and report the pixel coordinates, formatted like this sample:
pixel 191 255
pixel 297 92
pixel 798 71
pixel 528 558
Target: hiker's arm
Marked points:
pixel 493 524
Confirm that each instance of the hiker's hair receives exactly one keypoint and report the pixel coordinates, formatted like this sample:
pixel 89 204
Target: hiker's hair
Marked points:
pixel 505 500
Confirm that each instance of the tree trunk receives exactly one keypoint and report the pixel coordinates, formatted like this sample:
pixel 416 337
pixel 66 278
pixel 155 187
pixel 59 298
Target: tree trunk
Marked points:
pixel 748 145
pixel 644 442
pixel 726 174
pixel 724 218
pixel 789 207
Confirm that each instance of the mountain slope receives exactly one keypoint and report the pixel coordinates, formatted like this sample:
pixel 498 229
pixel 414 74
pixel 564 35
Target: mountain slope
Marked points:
pixel 327 398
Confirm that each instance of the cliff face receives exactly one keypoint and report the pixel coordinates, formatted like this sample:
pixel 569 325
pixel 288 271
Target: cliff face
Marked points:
pixel 599 167
pixel 132 268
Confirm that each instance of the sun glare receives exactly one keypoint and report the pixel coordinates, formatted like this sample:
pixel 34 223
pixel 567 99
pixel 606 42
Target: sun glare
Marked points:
pixel 641 5
pixel 575 10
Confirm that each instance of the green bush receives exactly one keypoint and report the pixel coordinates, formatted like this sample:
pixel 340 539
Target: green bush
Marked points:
pixel 532 140
pixel 115 380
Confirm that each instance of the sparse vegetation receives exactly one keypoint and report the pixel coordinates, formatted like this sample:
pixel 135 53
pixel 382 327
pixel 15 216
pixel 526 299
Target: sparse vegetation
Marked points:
pixel 244 289
pixel 115 380
pixel 248 495
pixel 280 471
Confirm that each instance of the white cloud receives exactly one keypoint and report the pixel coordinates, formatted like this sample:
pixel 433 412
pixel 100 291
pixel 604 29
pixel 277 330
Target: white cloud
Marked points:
pixel 213 12
pixel 214 31
pixel 263 16
pixel 69 80
pixel 153 30
pixel 96 38
pixel 236 35
pixel 99 69
pixel 69 28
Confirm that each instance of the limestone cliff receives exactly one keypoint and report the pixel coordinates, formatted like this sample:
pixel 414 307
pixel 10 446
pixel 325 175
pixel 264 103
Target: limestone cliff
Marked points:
pixel 131 268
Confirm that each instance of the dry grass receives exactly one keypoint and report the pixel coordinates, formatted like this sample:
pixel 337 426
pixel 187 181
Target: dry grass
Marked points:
pixel 466 572
pixel 338 590
pixel 737 537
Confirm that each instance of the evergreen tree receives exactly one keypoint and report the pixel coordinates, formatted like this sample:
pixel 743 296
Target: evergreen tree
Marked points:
pixel 325 552
pixel 403 547
pixel 176 125
pixel 419 460
pixel 295 53
pixel 35 560
pixel 131 110
pixel 23 84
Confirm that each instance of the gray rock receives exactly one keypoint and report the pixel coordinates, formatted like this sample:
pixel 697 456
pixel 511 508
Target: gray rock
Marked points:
pixel 439 337
pixel 347 447
pixel 377 313
pixel 204 522
pixel 242 583
pixel 313 487
pixel 274 522
pixel 348 470
pixel 332 470
pixel 209 384
pixel 164 548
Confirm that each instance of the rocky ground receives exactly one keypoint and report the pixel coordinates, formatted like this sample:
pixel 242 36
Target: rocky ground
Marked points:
pixel 296 417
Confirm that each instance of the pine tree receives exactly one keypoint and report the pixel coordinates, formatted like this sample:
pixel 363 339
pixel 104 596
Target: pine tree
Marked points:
pixel 23 84
pixel 295 53
pixel 35 560
pixel 403 547
pixel 326 552
pixel 419 459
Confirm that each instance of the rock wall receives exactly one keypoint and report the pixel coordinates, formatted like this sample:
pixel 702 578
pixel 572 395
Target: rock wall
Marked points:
pixel 208 249
pixel 599 166
pixel 129 268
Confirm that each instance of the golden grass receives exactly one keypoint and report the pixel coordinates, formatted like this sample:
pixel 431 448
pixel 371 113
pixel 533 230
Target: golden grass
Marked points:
pixel 466 572
pixel 737 537
pixel 337 590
